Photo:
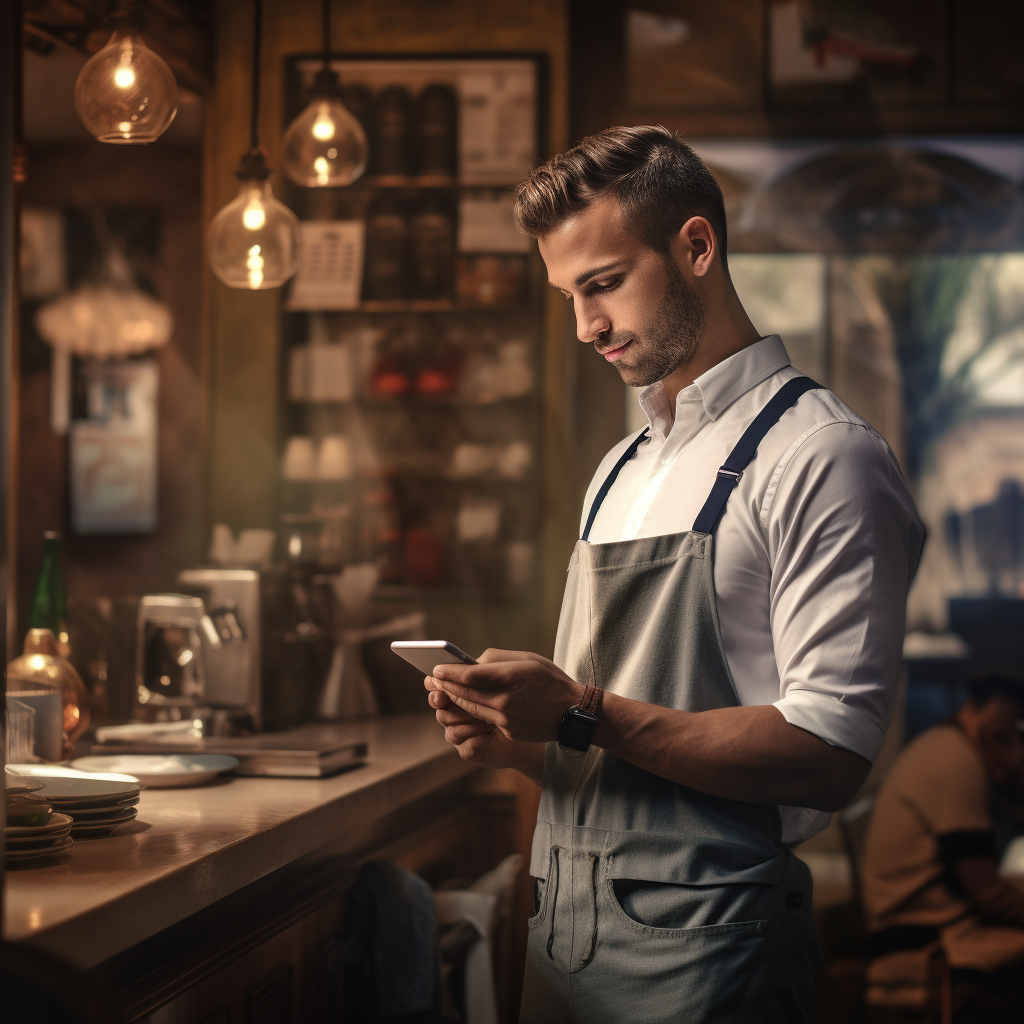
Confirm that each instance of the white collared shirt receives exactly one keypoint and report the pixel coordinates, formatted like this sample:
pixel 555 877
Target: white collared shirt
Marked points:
pixel 813 554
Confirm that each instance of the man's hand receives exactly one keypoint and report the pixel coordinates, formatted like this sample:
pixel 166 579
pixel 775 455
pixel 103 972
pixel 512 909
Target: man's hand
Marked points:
pixel 521 694
pixel 480 741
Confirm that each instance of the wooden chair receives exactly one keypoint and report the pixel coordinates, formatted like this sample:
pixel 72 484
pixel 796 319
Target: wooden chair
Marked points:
pixel 909 985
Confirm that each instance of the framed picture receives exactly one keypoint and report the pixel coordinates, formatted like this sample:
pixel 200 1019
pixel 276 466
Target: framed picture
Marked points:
pixel 113 453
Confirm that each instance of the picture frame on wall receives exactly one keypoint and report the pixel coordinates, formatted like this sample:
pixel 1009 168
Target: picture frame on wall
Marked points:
pixel 113 457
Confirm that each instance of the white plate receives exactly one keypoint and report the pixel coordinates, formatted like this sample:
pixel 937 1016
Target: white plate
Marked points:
pixel 46 851
pixel 56 824
pixel 56 771
pixel 67 786
pixel 161 769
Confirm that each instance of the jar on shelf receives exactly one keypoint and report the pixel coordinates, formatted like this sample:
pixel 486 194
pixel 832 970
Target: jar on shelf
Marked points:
pixel 387 234
pixel 436 132
pixel 440 366
pixel 391 132
pixel 381 531
pixel 483 280
pixel 357 102
pixel 432 250
pixel 395 362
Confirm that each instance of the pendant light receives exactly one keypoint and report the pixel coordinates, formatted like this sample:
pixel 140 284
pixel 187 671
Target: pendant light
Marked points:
pixel 126 94
pixel 254 241
pixel 325 145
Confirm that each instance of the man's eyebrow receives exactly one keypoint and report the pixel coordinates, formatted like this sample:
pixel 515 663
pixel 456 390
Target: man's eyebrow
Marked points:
pixel 588 274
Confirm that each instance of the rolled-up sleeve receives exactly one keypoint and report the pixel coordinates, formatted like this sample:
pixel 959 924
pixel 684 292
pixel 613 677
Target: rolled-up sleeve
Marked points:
pixel 844 541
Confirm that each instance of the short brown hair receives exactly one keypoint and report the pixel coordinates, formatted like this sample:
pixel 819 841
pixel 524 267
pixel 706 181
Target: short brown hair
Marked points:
pixel 656 177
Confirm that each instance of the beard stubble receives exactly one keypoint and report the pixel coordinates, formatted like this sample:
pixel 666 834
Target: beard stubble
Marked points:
pixel 672 337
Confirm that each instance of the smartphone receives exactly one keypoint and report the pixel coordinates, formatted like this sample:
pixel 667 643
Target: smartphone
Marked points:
pixel 425 654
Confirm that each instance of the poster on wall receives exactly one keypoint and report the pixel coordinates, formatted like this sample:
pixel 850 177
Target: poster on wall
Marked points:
pixel 113 453
pixel 863 52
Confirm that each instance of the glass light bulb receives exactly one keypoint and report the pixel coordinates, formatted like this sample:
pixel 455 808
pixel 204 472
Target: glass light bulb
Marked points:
pixel 325 145
pixel 126 94
pixel 254 241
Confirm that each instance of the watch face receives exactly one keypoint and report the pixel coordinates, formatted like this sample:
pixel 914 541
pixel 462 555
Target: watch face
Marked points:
pixel 577 730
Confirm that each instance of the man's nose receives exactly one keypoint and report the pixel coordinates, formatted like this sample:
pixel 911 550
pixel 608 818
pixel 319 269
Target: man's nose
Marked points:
pixel 591 324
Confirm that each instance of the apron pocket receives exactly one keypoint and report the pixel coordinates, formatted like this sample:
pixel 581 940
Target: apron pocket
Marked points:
pixel 706 974
pixel 671 906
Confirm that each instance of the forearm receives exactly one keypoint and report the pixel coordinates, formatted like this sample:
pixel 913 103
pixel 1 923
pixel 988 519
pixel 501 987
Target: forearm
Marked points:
pixel 740 753
pixel 995 900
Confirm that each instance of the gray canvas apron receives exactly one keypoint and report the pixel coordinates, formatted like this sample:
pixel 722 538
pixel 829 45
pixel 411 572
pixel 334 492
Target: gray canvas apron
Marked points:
pixel 656 902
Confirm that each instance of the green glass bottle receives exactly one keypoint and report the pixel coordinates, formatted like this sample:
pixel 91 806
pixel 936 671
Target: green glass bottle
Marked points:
pixel 49 601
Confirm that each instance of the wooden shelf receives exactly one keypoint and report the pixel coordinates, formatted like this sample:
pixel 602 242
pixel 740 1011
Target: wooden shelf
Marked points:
pixel 425 181
pixel 419 306
pixel 416 401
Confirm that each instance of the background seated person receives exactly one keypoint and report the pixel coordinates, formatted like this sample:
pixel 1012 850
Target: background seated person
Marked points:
pixel 930 861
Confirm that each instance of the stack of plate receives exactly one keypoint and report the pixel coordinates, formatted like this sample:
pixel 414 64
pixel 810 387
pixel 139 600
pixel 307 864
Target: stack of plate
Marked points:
pixel 28 842
pixel 95 806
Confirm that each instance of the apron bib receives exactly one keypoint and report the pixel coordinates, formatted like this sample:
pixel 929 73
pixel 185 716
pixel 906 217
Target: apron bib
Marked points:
pixel 657 902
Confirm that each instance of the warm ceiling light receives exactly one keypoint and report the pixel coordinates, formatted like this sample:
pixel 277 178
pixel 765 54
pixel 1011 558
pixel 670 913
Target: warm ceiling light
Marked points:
pixel 325 145
pixel 254 241
pixel 126 94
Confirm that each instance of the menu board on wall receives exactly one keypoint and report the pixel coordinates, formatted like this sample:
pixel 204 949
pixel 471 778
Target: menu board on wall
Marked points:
pixel 330 274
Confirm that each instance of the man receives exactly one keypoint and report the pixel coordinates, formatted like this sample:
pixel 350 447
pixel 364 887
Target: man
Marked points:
pixel 722 676
pixel 929 866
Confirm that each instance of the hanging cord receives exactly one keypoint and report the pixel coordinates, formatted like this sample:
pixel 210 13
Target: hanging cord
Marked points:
pixel 257 39
pixel 327 34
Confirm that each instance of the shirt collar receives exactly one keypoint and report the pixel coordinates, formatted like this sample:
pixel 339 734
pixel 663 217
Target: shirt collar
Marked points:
pixel 720 386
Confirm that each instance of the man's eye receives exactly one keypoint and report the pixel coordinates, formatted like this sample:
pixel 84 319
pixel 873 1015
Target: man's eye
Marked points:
pixel 607 286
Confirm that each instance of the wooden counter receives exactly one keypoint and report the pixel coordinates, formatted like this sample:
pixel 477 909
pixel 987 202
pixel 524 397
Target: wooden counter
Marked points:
pixel 192 849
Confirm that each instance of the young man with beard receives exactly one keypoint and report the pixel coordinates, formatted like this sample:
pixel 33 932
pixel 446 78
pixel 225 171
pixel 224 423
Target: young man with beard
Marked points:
pixel 730 637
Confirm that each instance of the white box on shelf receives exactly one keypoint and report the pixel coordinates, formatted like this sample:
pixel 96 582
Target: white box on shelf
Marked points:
pixel 330 373
pixel 486 225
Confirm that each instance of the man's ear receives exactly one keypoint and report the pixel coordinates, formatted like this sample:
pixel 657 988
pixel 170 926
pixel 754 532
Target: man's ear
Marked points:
pixel 696 245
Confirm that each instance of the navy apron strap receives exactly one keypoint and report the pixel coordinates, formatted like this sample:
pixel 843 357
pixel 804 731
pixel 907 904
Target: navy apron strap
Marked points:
pixel 610 479
pixel 731 471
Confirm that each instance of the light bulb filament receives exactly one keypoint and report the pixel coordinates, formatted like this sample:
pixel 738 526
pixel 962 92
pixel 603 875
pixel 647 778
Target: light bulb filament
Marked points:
pixel 254 216
pixel 124 77
pixel 254 264
pixel 323 127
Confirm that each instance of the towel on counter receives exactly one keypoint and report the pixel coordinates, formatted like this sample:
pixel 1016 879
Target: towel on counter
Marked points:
pixel 390 943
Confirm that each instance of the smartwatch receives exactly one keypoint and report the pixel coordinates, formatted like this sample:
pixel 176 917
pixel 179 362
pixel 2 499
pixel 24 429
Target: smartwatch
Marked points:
pixel 580 721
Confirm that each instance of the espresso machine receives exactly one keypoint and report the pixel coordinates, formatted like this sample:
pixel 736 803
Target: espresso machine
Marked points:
pixel 198 654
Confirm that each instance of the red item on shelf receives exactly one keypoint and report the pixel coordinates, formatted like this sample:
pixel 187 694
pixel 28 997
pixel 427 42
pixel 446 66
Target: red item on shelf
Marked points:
pixel 424 556
pixel 389 380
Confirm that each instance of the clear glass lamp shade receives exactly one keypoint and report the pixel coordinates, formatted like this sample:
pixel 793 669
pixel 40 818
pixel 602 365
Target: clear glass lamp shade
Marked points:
pixel 126 94
pixel 254 241
pixel 325 145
